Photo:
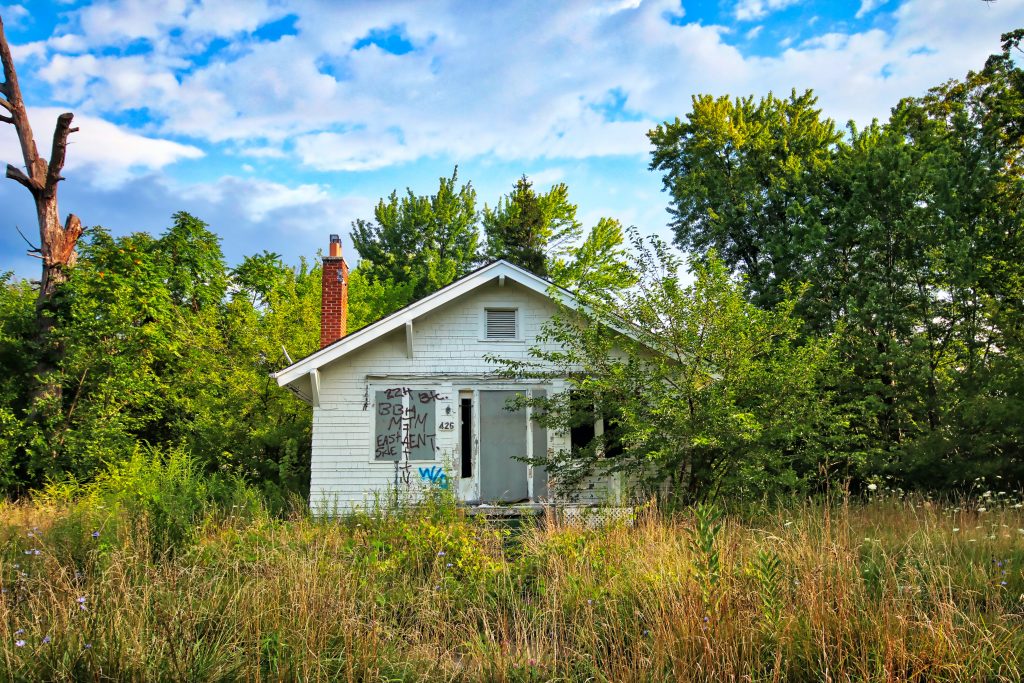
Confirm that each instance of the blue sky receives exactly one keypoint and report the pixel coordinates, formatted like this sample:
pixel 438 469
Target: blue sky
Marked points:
pixel 280 121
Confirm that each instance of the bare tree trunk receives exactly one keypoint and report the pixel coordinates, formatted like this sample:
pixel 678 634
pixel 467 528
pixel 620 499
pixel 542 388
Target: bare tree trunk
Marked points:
pixel 40 178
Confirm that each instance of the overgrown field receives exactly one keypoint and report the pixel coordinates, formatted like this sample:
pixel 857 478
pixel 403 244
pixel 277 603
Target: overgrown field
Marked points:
pixel 177 579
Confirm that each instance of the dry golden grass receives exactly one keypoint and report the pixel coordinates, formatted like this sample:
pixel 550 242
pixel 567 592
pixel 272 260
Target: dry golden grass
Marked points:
pixel 885 591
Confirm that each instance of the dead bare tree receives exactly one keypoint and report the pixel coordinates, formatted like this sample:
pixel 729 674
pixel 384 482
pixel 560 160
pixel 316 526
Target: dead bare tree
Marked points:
pixel 56 241
pixel 40 178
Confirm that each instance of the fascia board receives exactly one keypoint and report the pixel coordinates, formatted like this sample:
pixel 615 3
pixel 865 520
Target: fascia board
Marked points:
pixel 399 318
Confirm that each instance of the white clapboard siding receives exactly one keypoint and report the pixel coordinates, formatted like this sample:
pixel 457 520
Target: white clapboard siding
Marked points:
pixel 452 338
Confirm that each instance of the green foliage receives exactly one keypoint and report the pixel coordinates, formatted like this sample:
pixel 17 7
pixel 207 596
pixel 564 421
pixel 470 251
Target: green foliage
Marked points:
pixel 908 235
pixel 155 353
pixel 370 300
pixel 418 241
pixel 154 502
pixel 709 394
pixel 767 570
pixel 531 230
pixel 707 566
pixel 597 264
pixel 17 357
pixel 746 181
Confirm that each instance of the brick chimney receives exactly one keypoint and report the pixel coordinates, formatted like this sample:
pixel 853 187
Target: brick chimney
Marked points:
pixel 334 304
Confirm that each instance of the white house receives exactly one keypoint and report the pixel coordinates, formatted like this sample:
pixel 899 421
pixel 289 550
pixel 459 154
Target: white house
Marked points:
pixel 410 401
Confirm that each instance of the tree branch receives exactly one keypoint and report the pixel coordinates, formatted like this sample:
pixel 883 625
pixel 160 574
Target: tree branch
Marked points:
pixel 16 174
pixel 15 105
pixel 35 249
pixel 60 144
pixel 7 105
pixel 6 119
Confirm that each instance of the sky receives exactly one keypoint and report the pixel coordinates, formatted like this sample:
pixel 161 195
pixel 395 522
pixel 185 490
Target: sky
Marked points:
pixel 279 122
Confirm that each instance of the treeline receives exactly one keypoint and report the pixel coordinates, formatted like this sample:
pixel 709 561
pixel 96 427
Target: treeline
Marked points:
pixel 156 343
pixel 874 336
pixel 853 314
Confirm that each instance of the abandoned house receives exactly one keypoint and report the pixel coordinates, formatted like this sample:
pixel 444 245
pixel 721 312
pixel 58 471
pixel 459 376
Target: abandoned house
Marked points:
pixel 411 401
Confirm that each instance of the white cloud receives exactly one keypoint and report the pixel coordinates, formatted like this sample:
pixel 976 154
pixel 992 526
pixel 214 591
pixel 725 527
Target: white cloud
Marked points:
pixel 747 10
pixel 112 154
pixel 754 32
pixel 14 16
pixel 261 197
pixel 547 177
pixel 486 80
pixel 27 52
pixel 262 152
pixel 868 6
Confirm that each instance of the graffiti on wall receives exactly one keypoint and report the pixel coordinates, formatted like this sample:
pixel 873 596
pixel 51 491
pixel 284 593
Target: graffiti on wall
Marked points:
pixel 434 476
pixel 407 430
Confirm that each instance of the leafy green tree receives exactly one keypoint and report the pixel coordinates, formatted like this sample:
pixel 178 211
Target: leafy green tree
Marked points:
pixel 194 263
pixel 156 355
pixel 18 361
pixel 747 180
pixel 596 264
pixel 908 234
pixel 710 395
pixel 428 241
pixel 531 230
pixel 925 261
pixel 370 300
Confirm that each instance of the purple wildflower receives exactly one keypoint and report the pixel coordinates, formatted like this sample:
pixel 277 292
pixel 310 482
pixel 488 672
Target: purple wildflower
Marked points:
pixel 1002 583
pixel 81 599
pixel 19 631
pixel 46 640
pixel 441 554
pixel 449 564
pixel 88 646
pixel 19 643
pixel 96 534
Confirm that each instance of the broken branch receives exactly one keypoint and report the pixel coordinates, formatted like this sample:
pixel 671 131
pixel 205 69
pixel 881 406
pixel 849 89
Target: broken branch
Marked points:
pixel 16 174
pixel 34 247
pixel 60 144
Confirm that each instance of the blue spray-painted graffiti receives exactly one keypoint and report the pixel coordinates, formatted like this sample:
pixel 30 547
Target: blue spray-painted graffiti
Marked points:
pixel 435 475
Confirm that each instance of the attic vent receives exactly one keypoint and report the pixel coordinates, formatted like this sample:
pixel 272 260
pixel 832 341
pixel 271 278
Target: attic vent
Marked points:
pixel 501 323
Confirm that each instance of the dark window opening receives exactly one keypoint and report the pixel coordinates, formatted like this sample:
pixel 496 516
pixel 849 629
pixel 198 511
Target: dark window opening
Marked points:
pixel 466 413
pixel 582 432
pixel 612 435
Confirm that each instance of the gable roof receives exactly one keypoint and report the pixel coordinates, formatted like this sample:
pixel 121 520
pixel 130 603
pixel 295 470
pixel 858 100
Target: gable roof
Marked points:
pixel 397 320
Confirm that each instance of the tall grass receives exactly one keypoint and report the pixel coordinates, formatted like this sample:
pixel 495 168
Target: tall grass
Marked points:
pixel 884 591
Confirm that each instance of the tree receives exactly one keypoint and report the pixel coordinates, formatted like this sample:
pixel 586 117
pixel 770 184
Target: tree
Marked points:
pixel 426 240
pixel 746 179
pixel 597 264
pixel 709 395
pixel 40 178
pixel 909 234
pixel 530 230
